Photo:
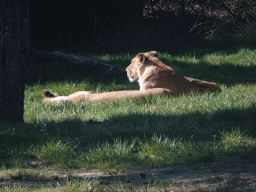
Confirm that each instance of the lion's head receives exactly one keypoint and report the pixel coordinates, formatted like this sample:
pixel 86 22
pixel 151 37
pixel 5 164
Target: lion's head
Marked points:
pixel 135 69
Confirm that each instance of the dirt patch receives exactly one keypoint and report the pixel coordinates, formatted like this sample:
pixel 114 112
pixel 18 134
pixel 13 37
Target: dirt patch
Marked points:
pixel 210 177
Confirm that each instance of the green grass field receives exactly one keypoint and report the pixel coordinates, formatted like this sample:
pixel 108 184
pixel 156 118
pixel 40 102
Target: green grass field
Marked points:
pixel 114 136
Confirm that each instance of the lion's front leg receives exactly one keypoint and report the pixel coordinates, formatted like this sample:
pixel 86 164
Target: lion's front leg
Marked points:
pixel 49 94
pixel 53 97
pixel 77 96
pixel 80 96
pixel 58 99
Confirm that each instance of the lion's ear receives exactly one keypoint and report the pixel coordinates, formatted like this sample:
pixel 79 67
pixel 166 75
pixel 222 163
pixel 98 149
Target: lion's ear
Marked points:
pixel 142 57
pixel 154 53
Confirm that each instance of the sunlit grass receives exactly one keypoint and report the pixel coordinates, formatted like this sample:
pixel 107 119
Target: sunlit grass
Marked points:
pixel 199 116
pixel 244 57
pixel 116 135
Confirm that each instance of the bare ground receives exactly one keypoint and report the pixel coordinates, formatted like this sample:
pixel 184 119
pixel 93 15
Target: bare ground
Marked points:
pixel 202 177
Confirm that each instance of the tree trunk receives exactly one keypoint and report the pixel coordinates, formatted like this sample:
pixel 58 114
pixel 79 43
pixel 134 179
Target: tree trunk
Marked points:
pixel 14 44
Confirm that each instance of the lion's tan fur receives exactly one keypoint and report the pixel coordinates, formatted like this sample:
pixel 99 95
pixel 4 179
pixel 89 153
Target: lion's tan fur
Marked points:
pixel 155 78
pixel 153 73
pixel 90 96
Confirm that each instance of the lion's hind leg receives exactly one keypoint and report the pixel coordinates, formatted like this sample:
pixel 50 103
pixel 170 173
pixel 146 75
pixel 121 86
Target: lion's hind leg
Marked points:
pixel 203 85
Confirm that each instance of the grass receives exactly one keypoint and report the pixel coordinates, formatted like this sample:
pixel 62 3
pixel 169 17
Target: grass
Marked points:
pixel 114 136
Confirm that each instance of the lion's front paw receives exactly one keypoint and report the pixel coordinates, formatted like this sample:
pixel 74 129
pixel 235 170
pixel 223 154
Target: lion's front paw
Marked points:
pixel 49 94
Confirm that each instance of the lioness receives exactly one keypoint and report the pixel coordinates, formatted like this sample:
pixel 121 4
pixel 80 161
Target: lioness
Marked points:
pixel 153 73
pixel 154 77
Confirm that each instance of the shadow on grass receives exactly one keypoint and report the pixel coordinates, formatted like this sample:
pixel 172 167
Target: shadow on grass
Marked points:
pixel 16 140
pixel 202 125
pixel 227 74
pixel 199 47
pixel 63 74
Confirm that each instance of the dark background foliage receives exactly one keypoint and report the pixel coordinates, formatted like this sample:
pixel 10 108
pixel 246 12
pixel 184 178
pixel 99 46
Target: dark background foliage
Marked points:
pixel 137 24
